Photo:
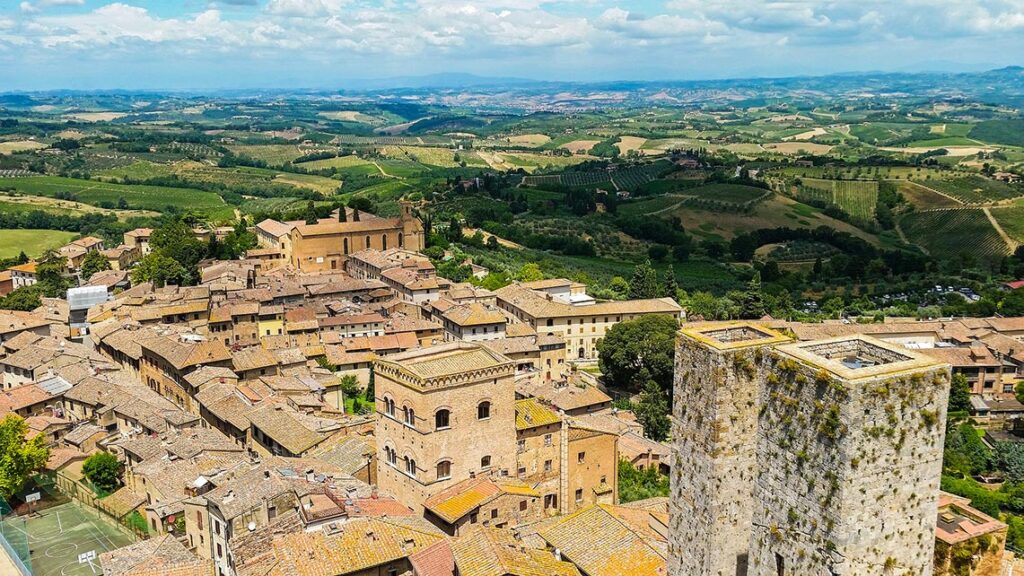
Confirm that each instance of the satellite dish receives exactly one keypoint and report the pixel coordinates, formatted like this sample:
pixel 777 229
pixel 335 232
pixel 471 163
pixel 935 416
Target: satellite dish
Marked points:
pixel 251 526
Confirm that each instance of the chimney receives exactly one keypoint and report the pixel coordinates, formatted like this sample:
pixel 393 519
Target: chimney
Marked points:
pixel 310 477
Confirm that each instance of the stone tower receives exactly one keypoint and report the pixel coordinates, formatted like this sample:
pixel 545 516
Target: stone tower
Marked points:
pixel 444 414
pixel 720 370
pixel 850 437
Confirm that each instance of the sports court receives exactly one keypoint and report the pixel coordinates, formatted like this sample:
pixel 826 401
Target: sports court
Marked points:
pixel 58 538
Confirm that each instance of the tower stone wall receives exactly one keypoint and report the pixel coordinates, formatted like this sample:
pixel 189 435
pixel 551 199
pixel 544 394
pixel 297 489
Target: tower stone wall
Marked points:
pixel 810 458
pixel 850 450
pixel 719 373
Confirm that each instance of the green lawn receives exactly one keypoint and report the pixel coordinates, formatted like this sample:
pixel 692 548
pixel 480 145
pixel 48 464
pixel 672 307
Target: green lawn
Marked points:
pixel 156 198
pixel 32 242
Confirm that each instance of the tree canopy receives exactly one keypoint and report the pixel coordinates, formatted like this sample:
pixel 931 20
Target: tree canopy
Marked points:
pixel 103 469
pixel 638 350
pixel 19 458
pixel 92 263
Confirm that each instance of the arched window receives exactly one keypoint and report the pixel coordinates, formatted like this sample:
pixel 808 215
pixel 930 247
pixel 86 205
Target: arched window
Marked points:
pixel 344 244
pixel 391 456
pixel 485 462
pixel 389 407
pixel 410 466
pixel 383 241
pixel 367 242
pixel 401 240
pixel 442 419
pixel 444 470
pixel 410 416
pixel 483 411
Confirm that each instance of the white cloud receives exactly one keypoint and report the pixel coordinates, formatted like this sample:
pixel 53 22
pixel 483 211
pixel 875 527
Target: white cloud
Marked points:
pixel 548 34
pixel 305 8
pixel 654 27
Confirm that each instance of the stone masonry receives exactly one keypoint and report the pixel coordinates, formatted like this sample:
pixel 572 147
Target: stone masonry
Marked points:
pixel 718 374
pixel 846 436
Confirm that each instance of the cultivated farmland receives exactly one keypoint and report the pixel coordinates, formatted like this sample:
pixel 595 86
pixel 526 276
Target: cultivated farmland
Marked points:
pixel 156 198
pixel 32 242
pixel 976 189
pixel 20 146
pixel 1011 220
pixel 950 234
pixel 272 154
pixel 855 197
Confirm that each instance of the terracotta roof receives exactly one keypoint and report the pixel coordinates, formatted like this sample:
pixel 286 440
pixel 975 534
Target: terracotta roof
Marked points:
pixel 447 360
pixel 462 498
pixel 566 395
pixel 185 354
pixel 474 314
pixel 296 432
pixel 28 268
pixel 140 232
pixel 398 341
pixel 17 321
pixel 632 444
pixel 159 555
pixel 20 397
pixel 601 542
pixel 509 346
pixel 537 305
pixel 361 544
pixel 274 228
pixel 517 329
pixel 351 319
pixel 252 358
pixel 436 560
pixel 330 227
pixel 958 521
pixel 530 413
pixel 485 551
pixel 348 453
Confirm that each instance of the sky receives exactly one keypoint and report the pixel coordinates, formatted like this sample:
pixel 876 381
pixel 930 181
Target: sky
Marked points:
pixel 241 44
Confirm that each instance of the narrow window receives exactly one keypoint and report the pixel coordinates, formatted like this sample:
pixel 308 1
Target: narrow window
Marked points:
pixel 442 419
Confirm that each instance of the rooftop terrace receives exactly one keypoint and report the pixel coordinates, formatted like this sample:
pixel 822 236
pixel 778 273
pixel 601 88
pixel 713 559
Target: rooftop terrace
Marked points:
pixel 859 357
pixel 734 335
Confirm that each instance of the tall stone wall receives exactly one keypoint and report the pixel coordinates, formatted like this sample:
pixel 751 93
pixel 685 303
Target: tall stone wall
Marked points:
pixel 716 403
pixel 848 471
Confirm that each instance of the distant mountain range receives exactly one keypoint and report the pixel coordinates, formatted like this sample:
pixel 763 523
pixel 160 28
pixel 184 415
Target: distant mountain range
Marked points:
pixel 997 86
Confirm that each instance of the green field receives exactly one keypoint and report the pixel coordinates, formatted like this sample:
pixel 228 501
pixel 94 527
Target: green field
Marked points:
pixel 272 154
pixel 975 189
pixel 729 193
pixel 351 164
pixel 865 173
pixel 140 170
pixel 924 198
pixel 649 205
pixel 942 142
pixel 156 198
pixel 950 234
pixel 1011 219
pixel 855 197
pixel 325 186
pixel 1009 132
pixel 24 208
pixel 32 242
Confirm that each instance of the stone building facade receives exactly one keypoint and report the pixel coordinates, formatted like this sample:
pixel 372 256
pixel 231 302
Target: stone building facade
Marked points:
pixel 445 414
pixel 325 246
pixel 844 480
pixel 719 372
